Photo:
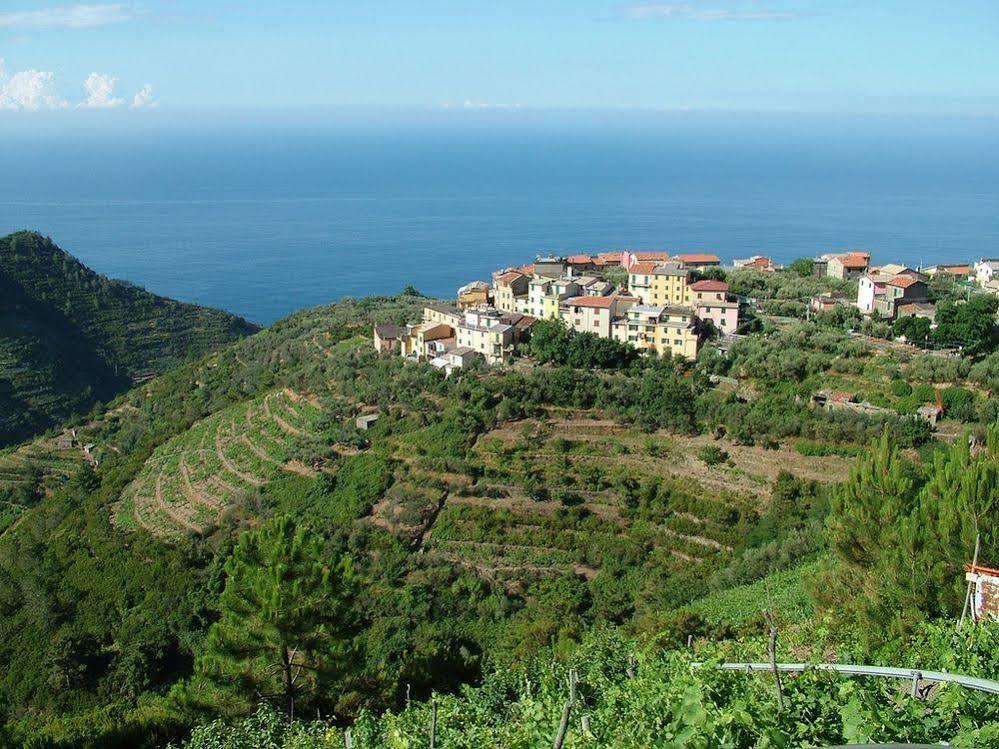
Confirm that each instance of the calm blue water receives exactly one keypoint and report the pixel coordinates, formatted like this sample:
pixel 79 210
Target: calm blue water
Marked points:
pixel 263 224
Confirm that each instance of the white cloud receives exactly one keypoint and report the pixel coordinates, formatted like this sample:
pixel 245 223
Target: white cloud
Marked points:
pixel 67 17
pixel 144 99
pixel 28 89
pixel 696 12
pixel 472 104
pixel 100 92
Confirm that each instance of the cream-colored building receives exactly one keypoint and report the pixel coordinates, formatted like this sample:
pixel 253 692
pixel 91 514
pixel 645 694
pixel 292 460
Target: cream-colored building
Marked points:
pixel 595 314
pixel 426 341
pixel 483 331
pixel 509 289
pixel 442 313
pixel 659 328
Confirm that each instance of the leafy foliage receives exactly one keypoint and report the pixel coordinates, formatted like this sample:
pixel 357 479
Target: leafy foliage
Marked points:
pixel 70 338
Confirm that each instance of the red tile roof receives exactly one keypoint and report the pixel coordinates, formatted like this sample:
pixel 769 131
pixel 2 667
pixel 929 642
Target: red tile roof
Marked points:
pixel 652 255
pixel 697 257
pixel 579 259
pixel 903 282
pixel 527 270
pixel 855 259
pixel 508 278
pixel 597 302
pixel 709 285
pixel 760 263
pixel 610 257
pixel 644 268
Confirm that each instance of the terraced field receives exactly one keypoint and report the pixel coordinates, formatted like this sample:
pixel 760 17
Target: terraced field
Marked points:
pixel 194 480
pixel 41 458
pixel 570 495
pixel 26 470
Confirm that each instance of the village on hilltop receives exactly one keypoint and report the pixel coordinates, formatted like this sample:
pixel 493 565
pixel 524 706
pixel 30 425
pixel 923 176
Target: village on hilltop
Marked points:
pixel 652 300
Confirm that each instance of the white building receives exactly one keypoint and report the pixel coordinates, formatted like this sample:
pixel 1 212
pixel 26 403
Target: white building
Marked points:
pixel 986 269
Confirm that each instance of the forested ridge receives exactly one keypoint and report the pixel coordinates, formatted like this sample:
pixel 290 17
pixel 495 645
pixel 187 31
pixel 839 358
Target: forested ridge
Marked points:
pixel 244 559
pixel 70 338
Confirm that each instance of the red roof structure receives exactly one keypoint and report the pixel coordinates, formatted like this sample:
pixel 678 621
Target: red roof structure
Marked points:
pixel 697 257
pixel 709 285
pixel 643 268
pixel 508 278
pixel 903 282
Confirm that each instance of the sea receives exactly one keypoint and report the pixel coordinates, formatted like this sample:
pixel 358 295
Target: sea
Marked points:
pixel 265 221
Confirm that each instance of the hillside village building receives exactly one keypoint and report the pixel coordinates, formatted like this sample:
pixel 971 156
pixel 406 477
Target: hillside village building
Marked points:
pixel 698 260
pixel 475 294
pixel 757 262
pixel 661 329
pixel 888 287
pixel 387 337
pixel 595 314
pixel 986 269
pixel 659 283
pixel 661 310
pixel 847 266
pixel 711 302
pixel 508 288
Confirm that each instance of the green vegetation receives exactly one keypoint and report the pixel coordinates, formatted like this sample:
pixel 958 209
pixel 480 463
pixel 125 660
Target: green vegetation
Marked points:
pixel 633 696
pixel 554 341
pixel 241 542
pixel 70 338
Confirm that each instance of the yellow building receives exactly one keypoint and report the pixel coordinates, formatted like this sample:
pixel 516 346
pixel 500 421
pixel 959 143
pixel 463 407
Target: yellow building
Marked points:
pixel 659 284
pixel 660 329
pixel 474 294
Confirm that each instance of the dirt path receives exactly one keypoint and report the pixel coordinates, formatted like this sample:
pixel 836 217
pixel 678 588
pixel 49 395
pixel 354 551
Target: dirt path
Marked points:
pixel 278 420
pixel 170 512
pixel 232 467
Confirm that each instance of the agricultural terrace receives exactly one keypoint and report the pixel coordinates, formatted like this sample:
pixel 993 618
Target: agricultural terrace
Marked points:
pixel 578 495
pixel 29 471
pixel 195 479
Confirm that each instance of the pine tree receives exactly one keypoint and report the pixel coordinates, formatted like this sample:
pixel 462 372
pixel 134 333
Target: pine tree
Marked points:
pixel 284 623
pixel 865 511
pixel 959 504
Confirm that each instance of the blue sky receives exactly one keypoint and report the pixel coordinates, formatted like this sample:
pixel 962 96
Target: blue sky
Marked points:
pixel 838 56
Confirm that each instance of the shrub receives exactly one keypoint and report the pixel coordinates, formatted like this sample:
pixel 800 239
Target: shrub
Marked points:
pixel 712 455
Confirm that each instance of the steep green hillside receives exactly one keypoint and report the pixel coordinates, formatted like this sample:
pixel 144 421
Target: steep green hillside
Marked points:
pixel 484 519
pixel 70 337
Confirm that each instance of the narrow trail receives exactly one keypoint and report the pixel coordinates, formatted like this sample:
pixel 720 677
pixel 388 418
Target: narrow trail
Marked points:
pixel 232 467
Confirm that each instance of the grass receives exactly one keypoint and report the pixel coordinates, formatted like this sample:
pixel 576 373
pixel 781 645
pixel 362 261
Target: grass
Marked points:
pixel 783 591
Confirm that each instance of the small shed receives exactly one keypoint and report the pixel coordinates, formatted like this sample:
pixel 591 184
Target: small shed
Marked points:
pixel 983 592
pixel 366 422
pixel 931 413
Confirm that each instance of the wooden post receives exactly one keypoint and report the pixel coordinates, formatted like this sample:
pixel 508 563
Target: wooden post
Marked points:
pixel 915 684
pixel 631 667
pixel 968 594
pixel 433 724
pixel 563 725
pixel 772 647
pixel 348 740
pixel 584 723
pixel 408 702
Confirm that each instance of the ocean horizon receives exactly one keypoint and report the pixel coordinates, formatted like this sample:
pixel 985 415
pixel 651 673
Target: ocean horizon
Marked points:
pixel 268 222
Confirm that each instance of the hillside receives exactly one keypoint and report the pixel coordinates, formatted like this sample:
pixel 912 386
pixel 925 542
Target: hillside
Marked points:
pixel 70 338
pixel 486 519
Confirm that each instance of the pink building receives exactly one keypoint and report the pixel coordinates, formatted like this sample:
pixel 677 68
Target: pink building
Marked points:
pixel 710 301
